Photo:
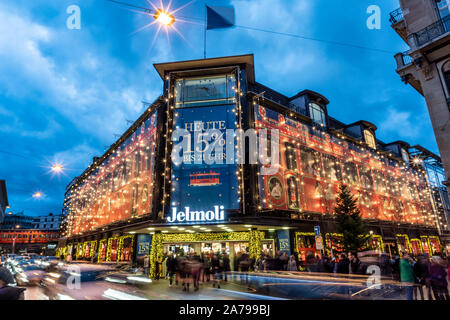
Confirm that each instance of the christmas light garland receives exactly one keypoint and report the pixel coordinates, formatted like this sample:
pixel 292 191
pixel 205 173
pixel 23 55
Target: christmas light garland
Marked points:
pixel 120 246
pixel 100 245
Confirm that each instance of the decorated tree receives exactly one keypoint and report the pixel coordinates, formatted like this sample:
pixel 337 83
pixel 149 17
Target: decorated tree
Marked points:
pixel 350 223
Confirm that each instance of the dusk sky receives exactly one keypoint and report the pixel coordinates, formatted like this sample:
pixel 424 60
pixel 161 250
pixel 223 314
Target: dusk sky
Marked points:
pixel 64 93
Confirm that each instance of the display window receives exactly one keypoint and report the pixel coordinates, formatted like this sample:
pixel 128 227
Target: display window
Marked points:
pixel 114 245
pixel 416 248
pixel 435 245
pixel 403 244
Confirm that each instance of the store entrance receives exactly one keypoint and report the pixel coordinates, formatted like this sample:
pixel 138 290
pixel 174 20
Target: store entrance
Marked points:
pixel 232 248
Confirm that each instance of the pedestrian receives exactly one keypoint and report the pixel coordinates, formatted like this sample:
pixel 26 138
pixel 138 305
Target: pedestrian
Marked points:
pixel 171 265
pixel 164 267
pixel 215 270
pixel 407 275
pixel 196 267
pixel 438 278
pixel 422 275
pixel 146 264
pixel 244 266
pixel 226 266
pixel 356 266
pixel 385 265
pixel 396 268
pixel 206 267
pixel 343 266
pixel 284 260
pixel 292 264
pixel 8 292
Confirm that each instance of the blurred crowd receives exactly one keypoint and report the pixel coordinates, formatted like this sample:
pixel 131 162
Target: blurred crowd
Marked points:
pixel 416 273
pixel 194 269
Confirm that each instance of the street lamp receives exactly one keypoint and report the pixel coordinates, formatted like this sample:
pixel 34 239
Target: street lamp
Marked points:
pixel 57 168
pixel 164 17
pixel 37 195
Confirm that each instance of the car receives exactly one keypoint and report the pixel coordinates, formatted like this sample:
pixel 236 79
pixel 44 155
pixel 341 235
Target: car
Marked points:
pixel 87 282
pixel 30 275
pixel 127 274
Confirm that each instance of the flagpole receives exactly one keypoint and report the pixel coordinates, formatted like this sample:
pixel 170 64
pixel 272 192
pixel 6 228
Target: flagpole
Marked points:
pixel 204 38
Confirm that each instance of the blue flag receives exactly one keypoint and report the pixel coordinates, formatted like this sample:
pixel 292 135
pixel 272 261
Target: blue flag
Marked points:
pixel 219 17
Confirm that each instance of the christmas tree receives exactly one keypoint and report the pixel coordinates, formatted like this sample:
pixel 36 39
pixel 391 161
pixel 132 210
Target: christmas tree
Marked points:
pixel 350 223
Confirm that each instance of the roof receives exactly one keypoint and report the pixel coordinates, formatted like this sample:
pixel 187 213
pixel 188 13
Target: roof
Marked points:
pixel 246 60
pixel 313 94
pixel 364 123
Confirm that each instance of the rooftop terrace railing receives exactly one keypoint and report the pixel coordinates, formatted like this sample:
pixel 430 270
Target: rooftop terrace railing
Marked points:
pixel 406 58
pixel 396 16
pixel 433 31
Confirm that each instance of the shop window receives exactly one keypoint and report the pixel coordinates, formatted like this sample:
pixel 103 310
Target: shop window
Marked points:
pixel 292 186
pixel 380 186
pixel 113 254
pixel 205 91
pixel 332 167
pixel 370 139
pixel 317 114
pixel 137 164
pixel 366 177
pixel 311 161
pixel 350 173
pixel 290 156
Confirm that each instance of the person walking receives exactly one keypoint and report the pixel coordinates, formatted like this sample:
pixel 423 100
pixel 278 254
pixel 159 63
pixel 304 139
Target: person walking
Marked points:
pixel 215 270
pixel 226 266
pixel 407 275
pixel 356 266
pixel 146 264
pixel 164 267
pixel 422 274
pixel 206 267
pixel 292 264
pixel 343 266
pixel 438 279
pixel 171 265
pixel 244 265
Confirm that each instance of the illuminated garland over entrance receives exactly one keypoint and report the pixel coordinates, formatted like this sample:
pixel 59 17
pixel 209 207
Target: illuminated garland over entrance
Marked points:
pixel 253 237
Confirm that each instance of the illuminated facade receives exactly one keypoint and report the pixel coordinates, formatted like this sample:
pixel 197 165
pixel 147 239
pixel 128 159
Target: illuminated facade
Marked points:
pixel 137 200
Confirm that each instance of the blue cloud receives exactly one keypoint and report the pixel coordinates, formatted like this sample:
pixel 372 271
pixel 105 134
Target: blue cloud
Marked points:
pixel 64 93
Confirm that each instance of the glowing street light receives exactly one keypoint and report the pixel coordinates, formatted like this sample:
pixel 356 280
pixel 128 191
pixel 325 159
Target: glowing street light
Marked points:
pixel 57 168
pixel 37 195
pixel 164 17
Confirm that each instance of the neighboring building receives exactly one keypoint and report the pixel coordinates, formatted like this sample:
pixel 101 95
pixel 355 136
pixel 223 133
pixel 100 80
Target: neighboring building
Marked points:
pixel 425 27
pixel 135 200
pixel 48 222
pixel 3 200
pixel 436 177
pixel 31 241
pixel 17 221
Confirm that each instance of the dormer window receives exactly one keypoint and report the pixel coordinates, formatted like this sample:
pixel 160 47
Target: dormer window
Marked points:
pixel 405 155
pixel 370 139
pixel 317 114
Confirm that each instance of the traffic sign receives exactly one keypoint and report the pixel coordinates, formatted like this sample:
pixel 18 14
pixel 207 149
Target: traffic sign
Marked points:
pixel 317 230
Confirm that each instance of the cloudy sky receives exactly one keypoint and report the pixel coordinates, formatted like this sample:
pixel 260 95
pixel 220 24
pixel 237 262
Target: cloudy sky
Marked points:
pixel 64 93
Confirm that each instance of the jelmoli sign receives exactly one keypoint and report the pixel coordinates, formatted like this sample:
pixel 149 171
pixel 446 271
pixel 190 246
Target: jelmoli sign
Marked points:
pixel 196 216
